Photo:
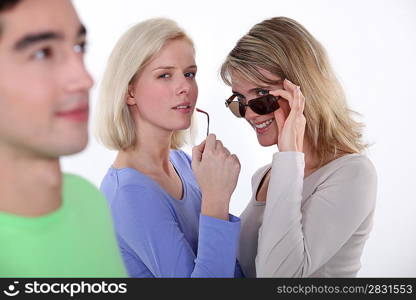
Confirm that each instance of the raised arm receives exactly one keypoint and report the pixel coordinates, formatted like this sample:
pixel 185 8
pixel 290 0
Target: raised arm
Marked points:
pixel 295 241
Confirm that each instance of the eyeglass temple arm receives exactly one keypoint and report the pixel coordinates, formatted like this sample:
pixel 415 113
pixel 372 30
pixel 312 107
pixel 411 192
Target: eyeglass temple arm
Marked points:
pixel 204 112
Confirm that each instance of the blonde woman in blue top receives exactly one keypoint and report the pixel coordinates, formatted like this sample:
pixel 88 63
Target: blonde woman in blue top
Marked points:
pixel 170 211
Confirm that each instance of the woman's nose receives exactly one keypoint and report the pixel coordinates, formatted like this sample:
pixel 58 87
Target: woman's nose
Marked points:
pixel 250 114
pixel 183 87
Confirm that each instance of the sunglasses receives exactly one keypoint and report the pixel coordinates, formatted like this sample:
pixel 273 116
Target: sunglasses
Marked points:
pixel 262 105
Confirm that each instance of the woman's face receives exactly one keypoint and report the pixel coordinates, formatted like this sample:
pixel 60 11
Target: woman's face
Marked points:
pixel 265 126
pixel 165 93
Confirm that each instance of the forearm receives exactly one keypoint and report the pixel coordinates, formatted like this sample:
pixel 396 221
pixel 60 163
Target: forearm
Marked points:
pixel 280 243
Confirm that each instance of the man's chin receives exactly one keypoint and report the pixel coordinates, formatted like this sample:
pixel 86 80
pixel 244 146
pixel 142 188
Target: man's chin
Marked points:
pixel 70 149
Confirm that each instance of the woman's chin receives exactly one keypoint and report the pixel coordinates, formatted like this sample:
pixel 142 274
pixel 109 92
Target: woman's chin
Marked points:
pixel 182 126
pixel 266 140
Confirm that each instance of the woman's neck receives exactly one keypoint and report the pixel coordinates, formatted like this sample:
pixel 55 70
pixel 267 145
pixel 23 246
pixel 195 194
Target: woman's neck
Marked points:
pixel 149 155
pixel 311 159
pixel 30 186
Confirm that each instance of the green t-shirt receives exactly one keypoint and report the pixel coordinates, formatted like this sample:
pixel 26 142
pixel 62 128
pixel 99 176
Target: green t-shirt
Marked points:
pixel 77 240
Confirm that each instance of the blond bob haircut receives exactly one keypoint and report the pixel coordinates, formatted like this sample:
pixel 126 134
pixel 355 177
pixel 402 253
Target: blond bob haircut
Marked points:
pixel 114 125
pixel 285 48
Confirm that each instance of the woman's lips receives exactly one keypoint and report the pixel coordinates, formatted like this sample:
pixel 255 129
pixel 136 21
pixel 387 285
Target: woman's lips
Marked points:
pixel 184 108
pixel 262 127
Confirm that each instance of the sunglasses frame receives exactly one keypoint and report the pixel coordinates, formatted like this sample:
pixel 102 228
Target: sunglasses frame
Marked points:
pixel 205 113
pixel 252 104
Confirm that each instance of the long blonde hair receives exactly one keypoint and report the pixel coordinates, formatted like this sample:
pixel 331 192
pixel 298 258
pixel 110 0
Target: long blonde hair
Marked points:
pixel 285 48
pixel 114 125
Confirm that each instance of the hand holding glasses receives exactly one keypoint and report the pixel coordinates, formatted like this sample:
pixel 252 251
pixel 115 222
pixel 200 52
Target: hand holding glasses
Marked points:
pixel 262 105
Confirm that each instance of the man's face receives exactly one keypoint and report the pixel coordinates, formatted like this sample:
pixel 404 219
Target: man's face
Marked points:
pixel 43 82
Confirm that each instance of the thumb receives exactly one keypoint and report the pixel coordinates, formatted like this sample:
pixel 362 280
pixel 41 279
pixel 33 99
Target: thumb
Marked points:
pixel 197 152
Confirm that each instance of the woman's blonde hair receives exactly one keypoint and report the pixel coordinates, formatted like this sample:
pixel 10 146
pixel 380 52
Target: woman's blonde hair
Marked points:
pixel 285 48
pixel 114 125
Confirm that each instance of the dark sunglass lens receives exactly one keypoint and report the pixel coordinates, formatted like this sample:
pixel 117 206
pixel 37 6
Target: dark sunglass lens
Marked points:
pixel 264 105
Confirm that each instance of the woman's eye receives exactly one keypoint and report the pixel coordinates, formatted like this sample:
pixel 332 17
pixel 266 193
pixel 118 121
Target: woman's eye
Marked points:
pixel 165 75
pixel 190 74
pixel 241 99
pixel 42 54
pixel 80 47
pixel 262 92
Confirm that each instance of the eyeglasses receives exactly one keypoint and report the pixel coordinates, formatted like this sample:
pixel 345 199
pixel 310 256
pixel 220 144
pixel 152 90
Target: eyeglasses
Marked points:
pixel 262 105
pixel 204 112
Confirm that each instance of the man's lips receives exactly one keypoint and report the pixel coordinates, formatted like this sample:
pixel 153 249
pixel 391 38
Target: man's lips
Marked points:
pixel 79 113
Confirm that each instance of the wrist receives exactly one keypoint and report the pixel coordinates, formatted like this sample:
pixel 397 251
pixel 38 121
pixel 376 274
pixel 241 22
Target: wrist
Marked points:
pixel 215 207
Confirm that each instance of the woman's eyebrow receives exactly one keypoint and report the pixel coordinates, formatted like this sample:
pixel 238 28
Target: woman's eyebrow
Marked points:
pixel 163 68
pixel 172 67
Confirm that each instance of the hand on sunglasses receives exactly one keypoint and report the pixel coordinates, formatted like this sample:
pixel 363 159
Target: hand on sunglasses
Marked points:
pixel 291 121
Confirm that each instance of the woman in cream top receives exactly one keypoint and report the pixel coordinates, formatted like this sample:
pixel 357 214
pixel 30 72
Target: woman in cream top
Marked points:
pixel 312 208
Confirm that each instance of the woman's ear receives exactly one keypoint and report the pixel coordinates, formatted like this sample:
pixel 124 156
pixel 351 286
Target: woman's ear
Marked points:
pixel 131 100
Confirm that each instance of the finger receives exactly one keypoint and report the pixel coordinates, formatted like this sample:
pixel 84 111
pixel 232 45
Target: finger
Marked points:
pixel 302 103
pixel 197 151
pixel 282 93
pixel 219 145
pixel 289 86
pixel 235 158
pixel 227 151
pixel 211 142
pixel 298 93
pixel 285 95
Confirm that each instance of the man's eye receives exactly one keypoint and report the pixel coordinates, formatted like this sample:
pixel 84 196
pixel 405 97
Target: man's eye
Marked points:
pixel 80 47
pixel 190 74
pixel 165 75
pixel 42 54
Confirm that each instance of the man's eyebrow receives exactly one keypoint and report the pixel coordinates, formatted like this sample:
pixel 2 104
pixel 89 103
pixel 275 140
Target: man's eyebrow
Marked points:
pixel 34 38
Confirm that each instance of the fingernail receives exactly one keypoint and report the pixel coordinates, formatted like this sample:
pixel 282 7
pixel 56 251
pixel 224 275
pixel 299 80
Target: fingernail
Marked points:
pixel 289 81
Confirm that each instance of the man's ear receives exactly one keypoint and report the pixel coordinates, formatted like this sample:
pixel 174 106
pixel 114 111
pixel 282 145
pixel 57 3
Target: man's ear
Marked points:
pixel 131 100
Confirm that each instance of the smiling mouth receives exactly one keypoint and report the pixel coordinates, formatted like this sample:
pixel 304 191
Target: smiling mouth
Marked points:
pixel 264 124
pixel 262 127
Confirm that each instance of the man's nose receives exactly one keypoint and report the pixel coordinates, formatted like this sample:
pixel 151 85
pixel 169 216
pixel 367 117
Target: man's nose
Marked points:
pixel 78 78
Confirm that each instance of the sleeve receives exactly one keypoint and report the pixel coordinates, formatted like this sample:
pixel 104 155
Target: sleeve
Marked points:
pixel 148 225
pixel 296 241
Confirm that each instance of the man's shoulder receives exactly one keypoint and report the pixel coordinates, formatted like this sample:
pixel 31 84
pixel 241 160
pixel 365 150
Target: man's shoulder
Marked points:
pixel 77 188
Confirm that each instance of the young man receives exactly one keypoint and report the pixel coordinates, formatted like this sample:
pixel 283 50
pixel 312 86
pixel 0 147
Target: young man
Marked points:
pixel 51 225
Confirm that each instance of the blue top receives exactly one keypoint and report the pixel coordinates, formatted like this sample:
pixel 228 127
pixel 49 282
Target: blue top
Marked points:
pixel 160 236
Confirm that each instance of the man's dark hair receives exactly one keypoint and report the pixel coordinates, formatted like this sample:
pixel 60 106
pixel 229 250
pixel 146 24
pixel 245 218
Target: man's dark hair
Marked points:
pixel 7 4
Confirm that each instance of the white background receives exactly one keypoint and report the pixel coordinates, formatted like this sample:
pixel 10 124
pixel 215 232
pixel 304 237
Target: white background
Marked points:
pixel 372 46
